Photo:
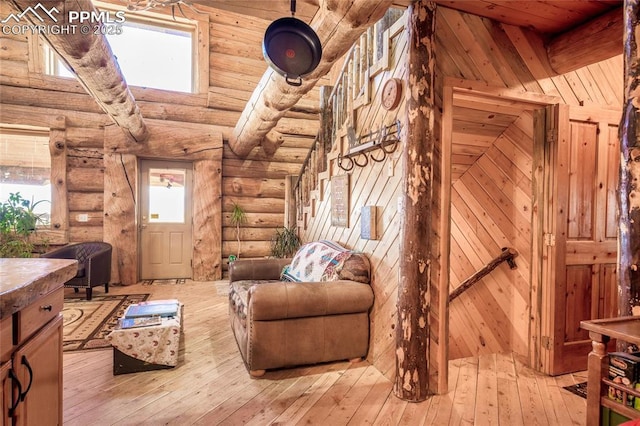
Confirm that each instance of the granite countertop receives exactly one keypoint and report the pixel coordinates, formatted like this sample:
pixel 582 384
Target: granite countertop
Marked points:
pixel 23 281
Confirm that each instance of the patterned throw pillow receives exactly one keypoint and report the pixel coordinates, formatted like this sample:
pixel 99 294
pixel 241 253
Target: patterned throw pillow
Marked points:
pixel 286 276
pixel 317 261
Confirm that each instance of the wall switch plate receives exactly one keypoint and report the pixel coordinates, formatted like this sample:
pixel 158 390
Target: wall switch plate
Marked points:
pixel 83 217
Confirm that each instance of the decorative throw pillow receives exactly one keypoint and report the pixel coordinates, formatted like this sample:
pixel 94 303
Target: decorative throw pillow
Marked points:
pixel 285 275
pixel 356 268
pixel 317 261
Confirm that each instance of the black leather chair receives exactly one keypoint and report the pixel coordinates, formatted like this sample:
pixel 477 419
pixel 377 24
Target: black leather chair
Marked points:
pixel 94 264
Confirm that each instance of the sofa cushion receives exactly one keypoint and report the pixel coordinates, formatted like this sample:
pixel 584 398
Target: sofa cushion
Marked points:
pixel 356 267
pixel 316 262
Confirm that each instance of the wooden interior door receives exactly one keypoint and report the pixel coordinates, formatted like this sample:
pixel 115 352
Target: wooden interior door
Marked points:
pixel 583 157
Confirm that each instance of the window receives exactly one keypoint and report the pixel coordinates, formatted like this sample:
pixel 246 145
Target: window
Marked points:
pixel 25 168
pixel 167 195
pixel 155 53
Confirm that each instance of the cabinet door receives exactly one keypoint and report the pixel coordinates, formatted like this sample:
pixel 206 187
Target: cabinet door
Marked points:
pixel 5 394
pixel 38 365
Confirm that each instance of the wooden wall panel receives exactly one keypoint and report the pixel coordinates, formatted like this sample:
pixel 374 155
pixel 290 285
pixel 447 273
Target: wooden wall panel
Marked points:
pixel 491 203
pixel 490 209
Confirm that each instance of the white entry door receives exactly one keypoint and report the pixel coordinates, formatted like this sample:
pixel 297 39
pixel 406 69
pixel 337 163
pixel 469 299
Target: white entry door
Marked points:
pixel 165 219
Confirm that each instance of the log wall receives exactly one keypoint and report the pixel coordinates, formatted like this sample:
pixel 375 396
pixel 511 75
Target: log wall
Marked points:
pixel 236 64
pixel 493 192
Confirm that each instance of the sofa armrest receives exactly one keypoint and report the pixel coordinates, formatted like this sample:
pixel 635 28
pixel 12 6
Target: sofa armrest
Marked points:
pixel 98 267
pixel 271 301
pixel 257 269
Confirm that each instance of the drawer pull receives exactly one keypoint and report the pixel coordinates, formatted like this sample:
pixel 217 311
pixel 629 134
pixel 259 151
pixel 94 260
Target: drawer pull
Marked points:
pixel 46 308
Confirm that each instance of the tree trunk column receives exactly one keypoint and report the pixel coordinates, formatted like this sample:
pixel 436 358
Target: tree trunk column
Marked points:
pixel 412 378
pixel 629 191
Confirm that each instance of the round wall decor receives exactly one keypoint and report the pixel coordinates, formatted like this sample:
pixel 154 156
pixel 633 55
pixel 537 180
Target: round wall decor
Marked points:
pixel 391 93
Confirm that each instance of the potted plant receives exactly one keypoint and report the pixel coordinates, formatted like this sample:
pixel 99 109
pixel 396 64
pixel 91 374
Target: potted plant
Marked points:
pixel 238 217
pixel 285 243
pixel 18 222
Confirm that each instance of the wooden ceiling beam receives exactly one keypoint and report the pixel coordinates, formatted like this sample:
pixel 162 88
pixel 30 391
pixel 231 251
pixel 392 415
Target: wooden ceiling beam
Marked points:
pixel 89 56
pixel 594 41
pixel 338 25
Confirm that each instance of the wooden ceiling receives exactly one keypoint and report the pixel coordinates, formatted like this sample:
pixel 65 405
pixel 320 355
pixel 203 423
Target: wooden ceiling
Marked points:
pixel 546 17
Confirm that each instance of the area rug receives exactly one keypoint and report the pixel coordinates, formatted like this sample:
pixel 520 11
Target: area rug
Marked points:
pixel 172 281
pixel 87 322
pixel 579 389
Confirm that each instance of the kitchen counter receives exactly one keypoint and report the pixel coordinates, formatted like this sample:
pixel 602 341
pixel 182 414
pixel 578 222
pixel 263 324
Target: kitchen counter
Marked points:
pixel 22 281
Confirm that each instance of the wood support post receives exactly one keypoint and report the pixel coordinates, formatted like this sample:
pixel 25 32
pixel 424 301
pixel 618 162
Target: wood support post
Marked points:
pixel 412 343
pixel 89 56
pixel 339 25
pixel 629 190
pixel 591 42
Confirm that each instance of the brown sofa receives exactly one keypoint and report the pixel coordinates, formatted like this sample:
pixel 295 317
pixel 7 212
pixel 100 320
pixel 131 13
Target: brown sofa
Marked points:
pixel 283 324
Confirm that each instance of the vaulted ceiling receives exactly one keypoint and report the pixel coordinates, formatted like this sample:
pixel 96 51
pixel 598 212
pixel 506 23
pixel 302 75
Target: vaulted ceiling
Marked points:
pixel 554 20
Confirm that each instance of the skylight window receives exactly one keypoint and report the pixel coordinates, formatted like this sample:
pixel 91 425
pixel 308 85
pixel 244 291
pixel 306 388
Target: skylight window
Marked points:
pixel 150 54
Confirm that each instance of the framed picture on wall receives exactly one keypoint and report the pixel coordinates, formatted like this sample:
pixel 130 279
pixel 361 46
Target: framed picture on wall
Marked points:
pixel 340 201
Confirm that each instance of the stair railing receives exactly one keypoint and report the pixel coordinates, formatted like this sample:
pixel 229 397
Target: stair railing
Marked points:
pixel 507 255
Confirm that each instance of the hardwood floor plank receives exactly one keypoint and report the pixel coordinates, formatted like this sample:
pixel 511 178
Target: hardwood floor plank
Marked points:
pixel 464 400
pixel 345 409
pixel 509 409
pixel 331 399
pixel 486 406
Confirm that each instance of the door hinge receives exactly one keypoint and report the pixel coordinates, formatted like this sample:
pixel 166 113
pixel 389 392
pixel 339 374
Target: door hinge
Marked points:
pixel 549 240
pixel 546 342
pixel 551 136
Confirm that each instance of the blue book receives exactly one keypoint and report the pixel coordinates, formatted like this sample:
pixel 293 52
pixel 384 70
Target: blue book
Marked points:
pixel 140 322
pixel 160 308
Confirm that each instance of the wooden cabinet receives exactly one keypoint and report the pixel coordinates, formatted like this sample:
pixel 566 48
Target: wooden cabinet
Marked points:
pixel 601 332
pixel 5 393
pixel 38 367
pixel 32 376
pixel 31 298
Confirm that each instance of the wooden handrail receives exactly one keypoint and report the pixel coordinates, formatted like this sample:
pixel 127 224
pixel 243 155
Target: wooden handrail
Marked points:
pixel 508 254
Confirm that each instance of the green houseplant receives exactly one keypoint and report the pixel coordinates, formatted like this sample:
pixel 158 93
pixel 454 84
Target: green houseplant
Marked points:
pixel 17 224
pixel 238 217
pixel 285 243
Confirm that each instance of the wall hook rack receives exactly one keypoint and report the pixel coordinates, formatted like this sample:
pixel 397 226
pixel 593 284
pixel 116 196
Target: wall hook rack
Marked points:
pixel 385 139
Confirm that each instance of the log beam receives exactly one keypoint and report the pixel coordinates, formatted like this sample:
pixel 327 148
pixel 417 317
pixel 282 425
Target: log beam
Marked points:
pixel 418 160
pixel 592 42
pixel 338 24
pixel 90 57
pixel 629 187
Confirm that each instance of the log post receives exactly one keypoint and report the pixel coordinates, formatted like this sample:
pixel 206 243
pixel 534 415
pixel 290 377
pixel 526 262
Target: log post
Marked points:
pixel 89 56
pixel 629 189
pixel 412 345
pixel 339 25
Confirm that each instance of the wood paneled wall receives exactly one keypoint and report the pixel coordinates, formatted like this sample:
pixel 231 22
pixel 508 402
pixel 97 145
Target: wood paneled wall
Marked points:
pixel 490 199
pixel 491 209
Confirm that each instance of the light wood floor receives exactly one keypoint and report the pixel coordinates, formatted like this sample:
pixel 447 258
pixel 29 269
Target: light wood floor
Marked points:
pixel 211 386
